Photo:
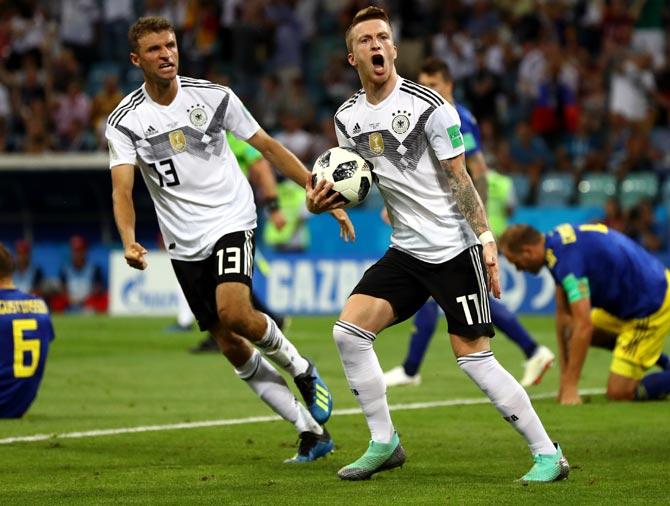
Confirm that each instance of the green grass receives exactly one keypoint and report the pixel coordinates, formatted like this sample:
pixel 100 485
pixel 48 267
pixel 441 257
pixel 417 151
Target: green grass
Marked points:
pixel 112 373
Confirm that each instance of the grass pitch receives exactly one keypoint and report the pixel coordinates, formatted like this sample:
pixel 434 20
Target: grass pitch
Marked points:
pixel 117 373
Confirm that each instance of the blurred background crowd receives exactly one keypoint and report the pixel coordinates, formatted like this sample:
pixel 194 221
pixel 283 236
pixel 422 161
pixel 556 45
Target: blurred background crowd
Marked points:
pixel 572 96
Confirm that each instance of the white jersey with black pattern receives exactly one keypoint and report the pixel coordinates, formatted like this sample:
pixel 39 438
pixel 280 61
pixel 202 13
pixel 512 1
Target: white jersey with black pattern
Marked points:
pixel 404 137
pixel 195 182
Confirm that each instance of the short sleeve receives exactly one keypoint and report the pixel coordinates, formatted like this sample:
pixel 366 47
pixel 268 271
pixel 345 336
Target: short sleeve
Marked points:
pixel 238 119
pixel 121 147
pixel 443 132
pixel 343 140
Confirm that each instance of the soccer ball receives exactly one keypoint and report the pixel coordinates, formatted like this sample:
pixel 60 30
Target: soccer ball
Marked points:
pixel 350 174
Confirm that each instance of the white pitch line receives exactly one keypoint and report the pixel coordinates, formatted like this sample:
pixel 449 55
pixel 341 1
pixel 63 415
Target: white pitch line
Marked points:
pixel 259 419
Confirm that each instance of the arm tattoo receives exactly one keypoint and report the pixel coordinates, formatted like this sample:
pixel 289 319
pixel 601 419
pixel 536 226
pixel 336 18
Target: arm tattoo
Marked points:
pixel 465 194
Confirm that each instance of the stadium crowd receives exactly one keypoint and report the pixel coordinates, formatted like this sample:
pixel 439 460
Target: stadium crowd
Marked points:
pixel 563 90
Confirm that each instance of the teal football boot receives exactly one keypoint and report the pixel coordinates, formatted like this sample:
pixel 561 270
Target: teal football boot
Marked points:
pixel 548 468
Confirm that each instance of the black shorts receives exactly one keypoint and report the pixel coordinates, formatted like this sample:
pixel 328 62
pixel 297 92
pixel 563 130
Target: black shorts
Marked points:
pixel 232 260
pixel 458 286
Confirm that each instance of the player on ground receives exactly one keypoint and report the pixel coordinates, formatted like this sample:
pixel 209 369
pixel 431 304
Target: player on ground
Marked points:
pixel 412 137
pixel 174 128
pixel 610 292
pixel 25 335
pixel 435 74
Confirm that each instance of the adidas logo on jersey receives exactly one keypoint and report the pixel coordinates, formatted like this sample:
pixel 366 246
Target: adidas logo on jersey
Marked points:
pixel 357 129
pixel 150 131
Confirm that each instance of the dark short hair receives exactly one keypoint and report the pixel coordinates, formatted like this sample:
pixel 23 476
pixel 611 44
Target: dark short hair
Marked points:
pixel 366 14
pixel 7 264
pixel 145 25
pixel 519 235
pixel 432 66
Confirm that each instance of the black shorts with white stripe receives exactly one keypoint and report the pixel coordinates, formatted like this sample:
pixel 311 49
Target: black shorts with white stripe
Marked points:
pixel 231 260
pixel 458 285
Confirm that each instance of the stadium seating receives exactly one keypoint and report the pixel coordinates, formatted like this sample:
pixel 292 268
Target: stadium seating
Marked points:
pixel 594 189
pixel 638 186
pixel 556 189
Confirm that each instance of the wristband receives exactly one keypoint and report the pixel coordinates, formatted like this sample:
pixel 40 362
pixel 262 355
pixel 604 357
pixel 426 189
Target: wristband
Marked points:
pixel 272 204
pixel 486 237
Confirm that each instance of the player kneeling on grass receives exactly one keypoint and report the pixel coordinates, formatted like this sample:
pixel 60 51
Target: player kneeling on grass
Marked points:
pixel 25 335
pixel 610 292
pixel 174 128
pixel 411 135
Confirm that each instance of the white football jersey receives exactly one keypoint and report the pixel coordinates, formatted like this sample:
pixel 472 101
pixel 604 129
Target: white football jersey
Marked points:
pixel 198 189
pixel 404 137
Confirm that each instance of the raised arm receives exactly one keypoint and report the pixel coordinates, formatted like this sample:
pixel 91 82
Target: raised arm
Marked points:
pixel 472 208
pixel 319 199
pixel 123 177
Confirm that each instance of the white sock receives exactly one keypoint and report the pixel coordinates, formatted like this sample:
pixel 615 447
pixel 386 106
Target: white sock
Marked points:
pixel 270 386
pixel 365 377
pixel 280 350
pixel 509 398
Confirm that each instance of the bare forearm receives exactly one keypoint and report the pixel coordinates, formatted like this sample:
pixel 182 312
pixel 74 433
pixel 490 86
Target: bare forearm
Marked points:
pixel 287 163
pixel 477 167
pixel 124 216
pixel 580 340
pixel 469 202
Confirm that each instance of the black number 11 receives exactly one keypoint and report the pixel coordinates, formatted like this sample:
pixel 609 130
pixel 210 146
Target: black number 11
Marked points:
pixel 171 173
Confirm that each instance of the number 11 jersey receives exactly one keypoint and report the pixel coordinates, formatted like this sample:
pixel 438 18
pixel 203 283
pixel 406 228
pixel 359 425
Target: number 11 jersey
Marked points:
pixel 195 182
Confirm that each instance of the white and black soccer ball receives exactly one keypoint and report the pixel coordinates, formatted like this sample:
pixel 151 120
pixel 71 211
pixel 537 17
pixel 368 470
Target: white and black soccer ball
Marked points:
pixel 349 172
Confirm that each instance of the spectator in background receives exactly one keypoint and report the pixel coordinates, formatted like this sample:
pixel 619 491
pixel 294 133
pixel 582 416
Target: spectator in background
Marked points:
pixel 456 48
pixel 530 155
pixel 582 150
pixel 637 155
pixel 116 18
pixel 287 39
pixel 73 111
pixel 631 89
pixel 643 228
pixel 555 111
pixel 78 20
pixel 27 276
pixel 82 282
pixel 295 137
pixel 268 101
pixel 614 217
pixel 37 140
pixel 296 102
pixel 25 335
pixel 103 104
pixel 63 69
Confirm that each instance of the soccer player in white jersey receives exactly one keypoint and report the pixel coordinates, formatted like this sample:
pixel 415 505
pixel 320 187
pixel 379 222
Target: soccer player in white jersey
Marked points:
pixel 174 129
pixel 440 244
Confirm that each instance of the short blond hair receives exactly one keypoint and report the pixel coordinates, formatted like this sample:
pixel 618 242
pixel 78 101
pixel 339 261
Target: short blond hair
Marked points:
pixel 366 14
pixel 145 25
pixel 519 235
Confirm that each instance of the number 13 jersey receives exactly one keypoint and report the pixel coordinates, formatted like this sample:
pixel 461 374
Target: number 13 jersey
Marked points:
pixel 195 182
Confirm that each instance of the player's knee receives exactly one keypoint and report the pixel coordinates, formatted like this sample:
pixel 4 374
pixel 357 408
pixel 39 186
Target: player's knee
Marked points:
pixel 618 393
pixel 350 338
pixel 233 319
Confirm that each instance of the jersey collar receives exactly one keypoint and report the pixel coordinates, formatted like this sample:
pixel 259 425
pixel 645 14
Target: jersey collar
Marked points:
pixel 390 97
pixel 172 104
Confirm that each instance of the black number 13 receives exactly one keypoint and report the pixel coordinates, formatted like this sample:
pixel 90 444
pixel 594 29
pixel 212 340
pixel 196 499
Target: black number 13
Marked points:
pixel 170 177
